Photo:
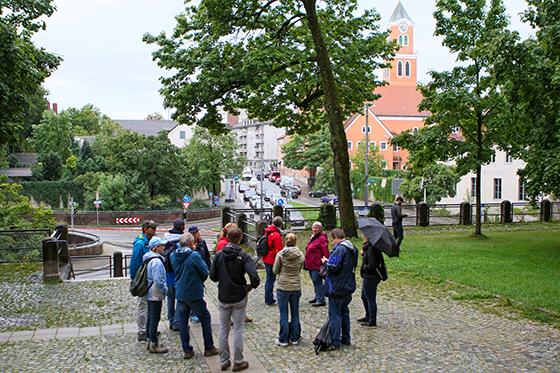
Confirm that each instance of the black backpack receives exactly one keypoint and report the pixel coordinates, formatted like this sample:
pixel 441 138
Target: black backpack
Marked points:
pixel 139 286
pixel 262 245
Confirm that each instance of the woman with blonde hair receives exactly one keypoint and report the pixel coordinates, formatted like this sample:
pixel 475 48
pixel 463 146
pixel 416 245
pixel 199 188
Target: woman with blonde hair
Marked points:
pixel 222 240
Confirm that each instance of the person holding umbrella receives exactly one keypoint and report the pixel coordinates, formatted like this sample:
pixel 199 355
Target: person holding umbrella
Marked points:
pixel 372 271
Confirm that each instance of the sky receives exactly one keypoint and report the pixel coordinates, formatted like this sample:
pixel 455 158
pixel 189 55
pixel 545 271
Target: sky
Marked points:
pixel 107 64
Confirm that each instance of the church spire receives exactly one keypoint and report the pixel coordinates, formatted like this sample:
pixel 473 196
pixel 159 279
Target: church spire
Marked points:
pixel 399 13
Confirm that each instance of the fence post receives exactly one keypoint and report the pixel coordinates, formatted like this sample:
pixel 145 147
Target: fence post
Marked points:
pixel 278 211
pixel 242 224
pixel 225 216
pixel 50 260
pixel 422 214
pixel 465 215
pixel 506 212
pixel 117 264
pixel 377 211
pixel 546 210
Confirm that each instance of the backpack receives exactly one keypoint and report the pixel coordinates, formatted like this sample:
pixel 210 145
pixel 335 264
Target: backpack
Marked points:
pixel 139 286
pixel 262 245
pixel 169 249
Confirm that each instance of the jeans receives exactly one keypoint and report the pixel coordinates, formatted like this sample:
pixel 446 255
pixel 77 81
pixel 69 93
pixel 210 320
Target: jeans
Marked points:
pixel 339 316
pixel 171 306
pixel 154 315
pixel 369 292
pixel 183 311
pixel 289 330
pixel 398 232
pixel 269 285
pixel 142 314
pixel 232 312
pixel 317 285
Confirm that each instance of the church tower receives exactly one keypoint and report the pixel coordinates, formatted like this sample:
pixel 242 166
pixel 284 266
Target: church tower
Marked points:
pixel 403 67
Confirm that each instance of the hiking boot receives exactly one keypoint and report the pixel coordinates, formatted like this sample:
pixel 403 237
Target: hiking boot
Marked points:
pixel 141 337
pixel 211 351
pixel 225 365
pixel 188 355
pixel 362 319
pixel 313 301
pixel 156 348
pixel 240 366
pixel 333 348
pixel 319 304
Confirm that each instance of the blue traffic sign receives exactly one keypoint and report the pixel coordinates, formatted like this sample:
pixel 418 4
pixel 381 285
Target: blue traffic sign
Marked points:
pixel 280 202
pixel 186 199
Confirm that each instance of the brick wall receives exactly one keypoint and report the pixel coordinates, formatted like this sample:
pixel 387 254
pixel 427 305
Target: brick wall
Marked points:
pixel 160 217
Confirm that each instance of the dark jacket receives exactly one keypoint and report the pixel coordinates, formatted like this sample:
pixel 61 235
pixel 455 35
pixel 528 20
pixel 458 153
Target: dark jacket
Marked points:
pixel 317 247
pixel 397 215
pixel 190 274
pixel 172 236
pixel 373 263
pixel 202 248
pixel 341 279
pixel 228 269
pixel 275 244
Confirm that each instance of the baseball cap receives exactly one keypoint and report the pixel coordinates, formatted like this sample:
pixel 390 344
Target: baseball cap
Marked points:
pixel 193 229
pixel 155 242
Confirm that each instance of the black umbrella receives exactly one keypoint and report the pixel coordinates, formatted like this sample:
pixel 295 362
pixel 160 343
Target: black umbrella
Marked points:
pixel 379 236
pixel 323 339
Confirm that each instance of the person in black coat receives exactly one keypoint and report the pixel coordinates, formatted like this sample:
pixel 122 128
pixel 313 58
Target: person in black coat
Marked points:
pixel 372 271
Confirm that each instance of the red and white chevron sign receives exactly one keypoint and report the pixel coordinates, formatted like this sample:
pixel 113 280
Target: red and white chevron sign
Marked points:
pixel 127 220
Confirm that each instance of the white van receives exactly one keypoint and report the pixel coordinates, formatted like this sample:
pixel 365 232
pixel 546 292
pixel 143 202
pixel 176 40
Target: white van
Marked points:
pixel 247 174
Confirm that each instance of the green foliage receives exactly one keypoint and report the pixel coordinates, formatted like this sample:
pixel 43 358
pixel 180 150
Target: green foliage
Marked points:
pixel 357 174
pixel 16 211
pixel 307 151
pixel 154 116
pixel 120 193
pixel 327 216
pixel 53 192
pixel 53 134
pixel 24 66
pixel 12 161
pixel 440 181
pixel 325 177
pixel 48 167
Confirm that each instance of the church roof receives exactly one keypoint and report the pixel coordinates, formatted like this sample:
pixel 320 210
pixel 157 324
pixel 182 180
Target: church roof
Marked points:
pixel 399 13
pixel 398 101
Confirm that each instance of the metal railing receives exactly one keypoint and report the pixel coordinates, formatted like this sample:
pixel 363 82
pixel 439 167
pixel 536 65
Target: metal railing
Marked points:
pixel 89 264
pixel 21 245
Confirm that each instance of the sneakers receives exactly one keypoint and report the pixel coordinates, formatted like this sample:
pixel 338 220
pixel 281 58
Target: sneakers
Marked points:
pixel 225 365
pixel 362 319
pixel 369 324
pixel 156 348
pixel 296 342
pixel 240 366
pixel 211 351
pixel 188 355
pixel 312 301
pixel 194 319
pixel 281 344
pixel 271 304
pixel 319 304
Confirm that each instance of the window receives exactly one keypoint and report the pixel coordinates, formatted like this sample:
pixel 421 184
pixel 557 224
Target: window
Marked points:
pixel 455 129
pixel 473 186
pixel 522 189
pixel 493 158
pixel 497 188
pixel 400 40
pixel 415 130
pixel 182 135
pixel 383 145
pixel 396 148
pixel 349 144
pixel 407 68
pixel 364 129
pixel 358 143
pixel 509 158
pixel 406 40
pixel 372 145
pixel 399 68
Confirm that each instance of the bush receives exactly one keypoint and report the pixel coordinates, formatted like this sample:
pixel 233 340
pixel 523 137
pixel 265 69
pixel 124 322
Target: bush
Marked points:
pixel 52 192
pixel 327 216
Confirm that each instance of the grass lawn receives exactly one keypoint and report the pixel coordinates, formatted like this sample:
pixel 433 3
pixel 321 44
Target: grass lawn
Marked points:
pixel 310 216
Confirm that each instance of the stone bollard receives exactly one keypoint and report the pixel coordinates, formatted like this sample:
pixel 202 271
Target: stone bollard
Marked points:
pixel 226 218
pixel 117 264
pixel 377 211
pixel 242 224
pixel 546 210
pixel 50 260
pixel 278 211
pixel 422 214
pixel 465 216
pixel 506 212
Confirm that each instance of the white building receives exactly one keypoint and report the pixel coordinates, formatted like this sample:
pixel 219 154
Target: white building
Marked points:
pixel 499 182
pixel 178 134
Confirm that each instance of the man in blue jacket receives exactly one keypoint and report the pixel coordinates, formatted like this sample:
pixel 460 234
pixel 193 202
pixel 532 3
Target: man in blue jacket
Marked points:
pixel 190 273
pixel 139 249
pixel 340 284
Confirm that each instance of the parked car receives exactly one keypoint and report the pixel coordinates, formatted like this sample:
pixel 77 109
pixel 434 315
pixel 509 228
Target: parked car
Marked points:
pixel 253 182
pixel 242 187
pixel 247 174
pixel 248 195
pixel 275 176
pixel 330 198
pixel 317 193
pixel 268 196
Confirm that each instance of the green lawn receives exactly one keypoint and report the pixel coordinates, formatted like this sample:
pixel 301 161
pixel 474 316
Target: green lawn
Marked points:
pixel 310 216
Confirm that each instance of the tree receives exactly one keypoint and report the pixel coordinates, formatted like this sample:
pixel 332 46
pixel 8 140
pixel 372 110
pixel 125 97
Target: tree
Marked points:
pixel 307 151
pixel 86 121
pixel 528 72
pixel 466 106
pixel 295 63
pixel 24 66
pixel 357 174
pixel 208 158
pixel 439 180
pixel 326 181
pixel 53 135
pixel 154 116
pixel 16 211
pixel 48 167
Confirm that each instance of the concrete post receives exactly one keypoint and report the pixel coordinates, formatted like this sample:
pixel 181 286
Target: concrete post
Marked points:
pixel 242 224
pixel 465 216
pixel 117 264
pixel 422 214
pixel 546 210
pixel 278 211
pixel 50 260
pixel 506 212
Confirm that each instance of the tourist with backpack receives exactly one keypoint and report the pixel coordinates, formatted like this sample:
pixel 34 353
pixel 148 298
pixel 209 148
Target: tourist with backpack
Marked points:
pixel 172 238
pixel 190 273
pixel 317 248
pixel 287 266
pixel 274 245
pixel 228 269
pixel 139 249
pixel 157 290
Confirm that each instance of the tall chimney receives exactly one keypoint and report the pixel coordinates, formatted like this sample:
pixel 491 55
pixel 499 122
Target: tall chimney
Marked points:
pixel 55 107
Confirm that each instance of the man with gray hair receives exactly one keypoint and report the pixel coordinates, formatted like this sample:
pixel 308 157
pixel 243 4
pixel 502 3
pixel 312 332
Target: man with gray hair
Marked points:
pixel 190 273
pixel 275 245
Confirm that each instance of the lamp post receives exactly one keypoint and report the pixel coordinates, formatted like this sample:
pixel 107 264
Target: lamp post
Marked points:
pixel 366 194
pixel 262 169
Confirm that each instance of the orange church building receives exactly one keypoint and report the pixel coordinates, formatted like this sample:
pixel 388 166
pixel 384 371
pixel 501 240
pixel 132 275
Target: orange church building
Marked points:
pixel 397 108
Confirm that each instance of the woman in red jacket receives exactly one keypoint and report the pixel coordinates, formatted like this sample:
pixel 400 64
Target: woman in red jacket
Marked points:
pixel 222 240
pixel 317 247
pixel 275 245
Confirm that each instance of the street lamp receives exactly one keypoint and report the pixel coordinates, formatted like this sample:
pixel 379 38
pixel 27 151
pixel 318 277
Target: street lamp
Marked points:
pixel 366 196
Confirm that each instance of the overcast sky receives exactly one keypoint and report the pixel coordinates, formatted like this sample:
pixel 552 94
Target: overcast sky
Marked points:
pixel 107 64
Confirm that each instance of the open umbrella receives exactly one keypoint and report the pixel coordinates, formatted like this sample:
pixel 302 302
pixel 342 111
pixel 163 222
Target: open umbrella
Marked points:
pixel 323 339
pixel 379 236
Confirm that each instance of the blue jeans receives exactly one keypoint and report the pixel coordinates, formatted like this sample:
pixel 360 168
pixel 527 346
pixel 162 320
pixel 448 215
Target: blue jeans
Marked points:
pixel 317 285
pixel 339 316
pixel 183 311
pixel 154 315
pixel 171 306
pixel 369 293
pixel 289 330
pixel 269 285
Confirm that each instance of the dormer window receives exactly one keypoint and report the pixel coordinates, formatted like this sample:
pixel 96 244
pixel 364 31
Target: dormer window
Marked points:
pixel 400 40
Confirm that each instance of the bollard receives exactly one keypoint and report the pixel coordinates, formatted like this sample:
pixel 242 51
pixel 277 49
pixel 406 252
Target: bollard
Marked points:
pixel 422 214
pixel 377 211
pixel 242 224
pixel 117 264
pixel 465 216
pixel 225 216
pixel 50 260
pixel 506 212
pixel 277 211
pixel 546 210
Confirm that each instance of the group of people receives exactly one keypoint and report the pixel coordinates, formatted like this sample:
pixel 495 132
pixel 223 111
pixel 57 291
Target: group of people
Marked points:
pixel 179 264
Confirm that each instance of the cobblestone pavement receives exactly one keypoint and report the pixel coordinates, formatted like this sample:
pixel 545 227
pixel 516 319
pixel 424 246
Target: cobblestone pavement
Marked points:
pixel 418 331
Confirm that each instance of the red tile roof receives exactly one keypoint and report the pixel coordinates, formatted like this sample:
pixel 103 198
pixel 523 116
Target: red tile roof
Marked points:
pixel 398 100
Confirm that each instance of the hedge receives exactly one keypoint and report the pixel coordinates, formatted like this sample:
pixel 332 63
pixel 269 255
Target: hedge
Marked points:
pixel 52 192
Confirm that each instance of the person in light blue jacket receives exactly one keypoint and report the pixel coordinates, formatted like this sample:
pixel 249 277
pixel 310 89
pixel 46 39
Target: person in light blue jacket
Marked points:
pixel 157 290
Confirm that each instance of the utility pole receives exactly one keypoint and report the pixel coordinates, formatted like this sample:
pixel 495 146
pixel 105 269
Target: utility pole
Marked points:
pixel 72 212
pixel 366 195
pixel 262 169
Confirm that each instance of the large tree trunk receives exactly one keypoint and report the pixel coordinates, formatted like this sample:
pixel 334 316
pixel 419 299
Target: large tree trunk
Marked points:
pixel 338 136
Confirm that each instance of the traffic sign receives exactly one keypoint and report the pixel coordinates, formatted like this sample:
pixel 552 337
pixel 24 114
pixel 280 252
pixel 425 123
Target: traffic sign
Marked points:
pixel 97 203
pixel 186 205
pixel 280 202
pixel 127 220
pixel 186 199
